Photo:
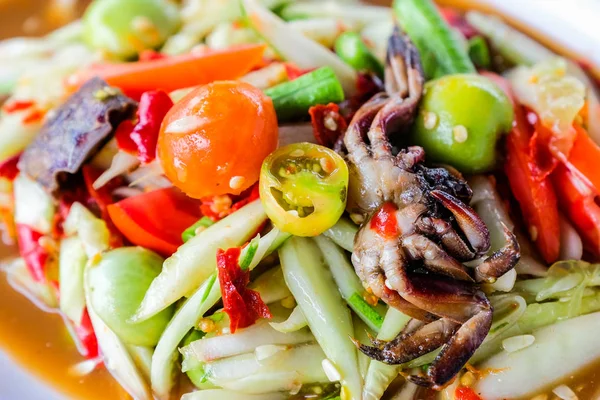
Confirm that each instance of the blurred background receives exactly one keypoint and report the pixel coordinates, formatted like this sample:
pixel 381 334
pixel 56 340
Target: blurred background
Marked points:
pixel 36 17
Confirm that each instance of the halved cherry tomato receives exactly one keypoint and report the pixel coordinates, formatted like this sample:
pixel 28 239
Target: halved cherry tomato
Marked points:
pixel 214 140
pixel 156 219
pixel 578 201
pixel 303 188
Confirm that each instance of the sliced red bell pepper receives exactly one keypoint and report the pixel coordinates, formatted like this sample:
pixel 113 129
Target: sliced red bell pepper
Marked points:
pixel 140 139
pixel 174 72
pixel 578 202
pixel 35 256
pixel 535 194
pixel 585 156
pixel 328 124
pixel 244 306
pixel 155 219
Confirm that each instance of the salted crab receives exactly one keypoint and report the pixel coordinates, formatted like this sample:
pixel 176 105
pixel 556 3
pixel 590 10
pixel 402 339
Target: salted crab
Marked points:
pixel 417 231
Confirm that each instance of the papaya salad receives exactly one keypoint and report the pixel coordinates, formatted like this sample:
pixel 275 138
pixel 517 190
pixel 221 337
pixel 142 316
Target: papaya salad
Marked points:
pixel 276 199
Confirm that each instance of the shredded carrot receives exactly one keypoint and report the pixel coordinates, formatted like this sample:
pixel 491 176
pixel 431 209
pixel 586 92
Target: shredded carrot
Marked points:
pixel 17 105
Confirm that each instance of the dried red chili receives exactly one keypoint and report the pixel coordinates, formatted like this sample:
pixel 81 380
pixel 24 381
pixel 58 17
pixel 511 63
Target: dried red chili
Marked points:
pixel 328 124
pixel 244 306
pixel 140 139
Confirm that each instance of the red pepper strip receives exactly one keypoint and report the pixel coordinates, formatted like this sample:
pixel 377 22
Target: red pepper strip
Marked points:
pixel 584 157
pixel 465 393
pixel 535 195
pixel 35 256
pixel 175 72
pixel 244 306
pixel 328 124
pixel 8 167
pixel 249 195
pixel 578 201
pixel 87 336
pixel 141 138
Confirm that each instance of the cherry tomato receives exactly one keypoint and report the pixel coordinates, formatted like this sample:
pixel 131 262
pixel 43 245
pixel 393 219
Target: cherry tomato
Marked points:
pixel 215 139
pixel 303 188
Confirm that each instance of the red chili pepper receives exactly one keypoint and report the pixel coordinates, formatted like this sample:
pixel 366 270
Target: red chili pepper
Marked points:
pixel 578 201
pixel 35 256
pixel 142 137
pixel 87 336
pixel 465 393
pixel 328 124
pixel 8 167
pixel 384 221
pixel 17 105
pixel 244 306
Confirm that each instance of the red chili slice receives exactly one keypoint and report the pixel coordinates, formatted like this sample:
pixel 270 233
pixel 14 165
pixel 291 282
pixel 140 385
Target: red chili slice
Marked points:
pixel 140 139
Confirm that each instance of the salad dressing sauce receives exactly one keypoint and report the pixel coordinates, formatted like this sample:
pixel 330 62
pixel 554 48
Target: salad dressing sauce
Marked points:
pixel 39 341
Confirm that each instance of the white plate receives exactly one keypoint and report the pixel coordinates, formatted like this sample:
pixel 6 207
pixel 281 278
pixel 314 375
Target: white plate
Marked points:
pixel 572 24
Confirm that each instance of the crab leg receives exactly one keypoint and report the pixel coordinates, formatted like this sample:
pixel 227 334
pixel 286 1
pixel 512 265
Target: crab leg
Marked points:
pixel 501 261
pixel 408 346
pixel 434 258
pixel 443 230
pixel 468 220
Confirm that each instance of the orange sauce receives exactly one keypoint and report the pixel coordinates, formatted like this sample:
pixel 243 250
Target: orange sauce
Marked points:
pixel 39 341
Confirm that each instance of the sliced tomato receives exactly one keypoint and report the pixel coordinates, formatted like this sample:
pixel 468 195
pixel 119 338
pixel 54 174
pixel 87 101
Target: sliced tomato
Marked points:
pixel 535 194
pixel 578 201
pixel 585 155
pixel 156 219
